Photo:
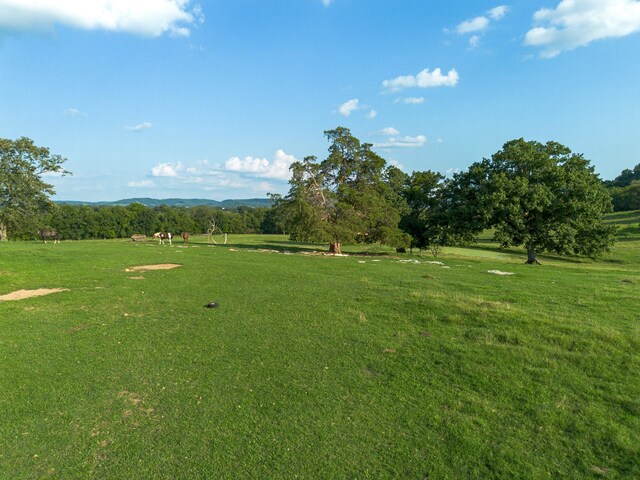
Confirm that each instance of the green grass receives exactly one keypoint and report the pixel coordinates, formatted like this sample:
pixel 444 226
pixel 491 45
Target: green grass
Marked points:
pixel 364 366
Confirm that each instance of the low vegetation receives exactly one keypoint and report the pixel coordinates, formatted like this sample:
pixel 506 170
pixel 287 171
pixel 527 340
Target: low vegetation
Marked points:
pixel 368 365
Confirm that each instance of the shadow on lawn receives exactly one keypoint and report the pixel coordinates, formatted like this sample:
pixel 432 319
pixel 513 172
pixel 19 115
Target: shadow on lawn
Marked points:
pixel 522 255
pixel 298 247
pixel 301 248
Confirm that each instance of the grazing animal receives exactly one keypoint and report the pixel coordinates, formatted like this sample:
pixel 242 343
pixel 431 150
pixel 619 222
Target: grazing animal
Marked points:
pixel 165 236
pixel 49 234
pixel 211 305
pixel 185 238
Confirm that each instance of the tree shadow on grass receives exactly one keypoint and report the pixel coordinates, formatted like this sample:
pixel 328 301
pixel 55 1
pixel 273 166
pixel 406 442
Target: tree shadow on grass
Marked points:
pixel 514 254
pixel 297 247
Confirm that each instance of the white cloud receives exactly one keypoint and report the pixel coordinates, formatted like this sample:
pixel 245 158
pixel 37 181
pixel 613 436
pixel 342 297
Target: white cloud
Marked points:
pixel 396 164
pixel 349 106
pixel 389 131
pixel 278 168
pixel 142 184
pixel 498 12
pixel 372 114
pixel 402 142
pixel 424 79
pixel 411 100
pixel 479 25
pixel 166 170
pixel 72 112
pixel 326 3
pixel 396 141
pixel 140 127
pixel 476 24
pixel 575 24
pixel 142 17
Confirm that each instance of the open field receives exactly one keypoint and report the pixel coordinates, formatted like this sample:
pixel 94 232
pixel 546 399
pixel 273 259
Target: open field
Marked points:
pixel 376 366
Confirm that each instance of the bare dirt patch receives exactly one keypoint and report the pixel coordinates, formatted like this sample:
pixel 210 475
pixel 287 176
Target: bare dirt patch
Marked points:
pixel 158 266
pixel 22 294
pixel 498 272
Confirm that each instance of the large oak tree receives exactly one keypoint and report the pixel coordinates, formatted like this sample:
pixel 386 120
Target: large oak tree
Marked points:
pixel 345 198
pixel 540 196
pixel 24 195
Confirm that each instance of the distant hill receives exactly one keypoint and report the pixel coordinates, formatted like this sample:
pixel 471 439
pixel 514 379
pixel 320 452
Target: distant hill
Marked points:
pixel 176 202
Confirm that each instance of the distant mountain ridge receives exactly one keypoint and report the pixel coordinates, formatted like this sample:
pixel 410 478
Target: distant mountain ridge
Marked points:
pixel 175 202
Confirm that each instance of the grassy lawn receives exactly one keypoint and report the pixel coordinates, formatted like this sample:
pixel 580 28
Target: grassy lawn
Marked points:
pixel 362 366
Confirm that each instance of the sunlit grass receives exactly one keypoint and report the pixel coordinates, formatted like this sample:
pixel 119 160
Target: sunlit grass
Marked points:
pixel 312 366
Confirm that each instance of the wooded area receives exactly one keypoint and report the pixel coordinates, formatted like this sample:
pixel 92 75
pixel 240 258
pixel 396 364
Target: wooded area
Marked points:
pixel 539 196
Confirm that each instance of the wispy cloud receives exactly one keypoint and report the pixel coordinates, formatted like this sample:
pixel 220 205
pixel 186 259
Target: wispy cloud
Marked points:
pixel 498 12
pixel 424 79
pixel 142 184
pixel 140 127
pixel 389 131
pixel 396 141
pixel 150 18
pixel 353 105
pixel 72 112
pixel 575 24
pixel 478 25
pixel 402 142
pixel 410 100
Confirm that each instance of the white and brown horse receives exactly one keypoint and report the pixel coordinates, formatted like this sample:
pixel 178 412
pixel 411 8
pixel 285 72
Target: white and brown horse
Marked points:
pixel 162 236
pixel 49 234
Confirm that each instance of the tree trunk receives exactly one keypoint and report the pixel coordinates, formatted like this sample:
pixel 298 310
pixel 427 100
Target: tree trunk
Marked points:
pixel 3 232
pixel 335 248
pixel 531 256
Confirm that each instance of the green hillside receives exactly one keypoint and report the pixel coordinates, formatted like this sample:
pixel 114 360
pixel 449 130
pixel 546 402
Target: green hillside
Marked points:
pixel 374 365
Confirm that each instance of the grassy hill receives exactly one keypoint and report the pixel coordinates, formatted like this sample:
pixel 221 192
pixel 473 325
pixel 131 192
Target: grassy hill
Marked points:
pixel 372 365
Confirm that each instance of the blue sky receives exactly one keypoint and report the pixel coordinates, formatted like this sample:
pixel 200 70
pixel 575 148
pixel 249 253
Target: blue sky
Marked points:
pixel 173 98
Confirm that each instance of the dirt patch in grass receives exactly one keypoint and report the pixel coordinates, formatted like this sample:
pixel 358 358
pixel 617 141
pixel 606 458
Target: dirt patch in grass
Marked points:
pixel 22 294
pixel 158 266
pixel 499 272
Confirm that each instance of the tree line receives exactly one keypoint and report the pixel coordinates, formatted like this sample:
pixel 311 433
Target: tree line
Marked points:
pixel 625 189
pixel 81 222
pixel 540 196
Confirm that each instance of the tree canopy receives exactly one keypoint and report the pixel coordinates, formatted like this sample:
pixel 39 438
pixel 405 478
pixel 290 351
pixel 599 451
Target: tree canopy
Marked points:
pixel 345 198
pixel 625 189
pixel 24 195
pixel 626 177
pixel 541 196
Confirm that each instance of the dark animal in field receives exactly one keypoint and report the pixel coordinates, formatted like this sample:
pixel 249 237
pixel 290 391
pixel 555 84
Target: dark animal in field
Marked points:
pixel 163 236
pixel 50 235
pixel 185 238
pixel 211 305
